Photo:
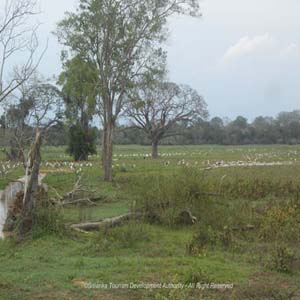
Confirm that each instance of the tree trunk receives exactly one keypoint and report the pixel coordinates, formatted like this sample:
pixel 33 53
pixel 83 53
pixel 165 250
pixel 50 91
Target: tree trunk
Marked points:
pixel 31 184
pixel 107 150
pixel 154 149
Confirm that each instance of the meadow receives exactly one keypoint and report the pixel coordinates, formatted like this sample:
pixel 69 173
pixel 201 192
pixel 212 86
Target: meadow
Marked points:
pixel 246 201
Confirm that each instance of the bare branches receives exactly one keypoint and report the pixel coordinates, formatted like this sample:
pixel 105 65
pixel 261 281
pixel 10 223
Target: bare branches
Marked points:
pixel 15 12
pixel 77 195
pixel 37 108
pixel 159 105
pixel 17 36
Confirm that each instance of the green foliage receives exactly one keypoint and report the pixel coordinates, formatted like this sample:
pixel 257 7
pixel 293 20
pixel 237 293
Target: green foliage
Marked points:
pixel 79 87
pixel 82 143
pixel 167 196
pixel 204 238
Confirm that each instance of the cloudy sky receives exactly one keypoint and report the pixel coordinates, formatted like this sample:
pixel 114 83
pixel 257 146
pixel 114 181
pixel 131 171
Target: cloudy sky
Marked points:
pixel 242 56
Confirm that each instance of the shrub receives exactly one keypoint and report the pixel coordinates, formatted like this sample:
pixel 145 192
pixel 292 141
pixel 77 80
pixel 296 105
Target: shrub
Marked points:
pixel 166 196
pixel 82 142
pixel 204 238
pixel 209 237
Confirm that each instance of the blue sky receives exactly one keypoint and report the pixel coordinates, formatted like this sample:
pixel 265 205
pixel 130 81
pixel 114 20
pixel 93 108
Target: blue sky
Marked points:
pixel 242 56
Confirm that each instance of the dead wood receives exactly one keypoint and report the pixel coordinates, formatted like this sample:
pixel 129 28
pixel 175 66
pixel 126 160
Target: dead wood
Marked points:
pixel 105 223
pixel 76 195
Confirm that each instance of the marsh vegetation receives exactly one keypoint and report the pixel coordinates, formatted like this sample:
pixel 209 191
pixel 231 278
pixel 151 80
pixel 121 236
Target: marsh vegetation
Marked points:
pixel 246 230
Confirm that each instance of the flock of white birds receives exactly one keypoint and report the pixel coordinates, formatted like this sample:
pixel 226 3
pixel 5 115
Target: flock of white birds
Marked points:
pixel 6 167
pixel 249 158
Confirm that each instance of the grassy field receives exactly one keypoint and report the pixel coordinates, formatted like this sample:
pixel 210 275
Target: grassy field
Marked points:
pixel 261 263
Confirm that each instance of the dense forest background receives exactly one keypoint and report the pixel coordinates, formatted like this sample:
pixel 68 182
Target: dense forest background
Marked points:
pixel 284 129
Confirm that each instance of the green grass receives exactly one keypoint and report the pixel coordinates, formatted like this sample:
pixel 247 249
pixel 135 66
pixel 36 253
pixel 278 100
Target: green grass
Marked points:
pixel 15 174
pixel 95 213
pixel 53 267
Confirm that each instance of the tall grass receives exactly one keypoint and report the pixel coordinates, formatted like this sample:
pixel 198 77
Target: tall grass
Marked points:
pixel 166 196
pixel 47 220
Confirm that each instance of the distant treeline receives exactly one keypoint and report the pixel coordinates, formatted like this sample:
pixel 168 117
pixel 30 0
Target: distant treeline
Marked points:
pixel 284 129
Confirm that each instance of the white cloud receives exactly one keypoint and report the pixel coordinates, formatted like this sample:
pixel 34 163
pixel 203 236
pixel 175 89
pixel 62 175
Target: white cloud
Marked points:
pixel 261 52
pixel 260 74
pixel 247 45
pixel 290 51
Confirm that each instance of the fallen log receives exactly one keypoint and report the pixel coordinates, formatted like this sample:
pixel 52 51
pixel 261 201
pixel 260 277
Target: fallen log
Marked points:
pixel 105 223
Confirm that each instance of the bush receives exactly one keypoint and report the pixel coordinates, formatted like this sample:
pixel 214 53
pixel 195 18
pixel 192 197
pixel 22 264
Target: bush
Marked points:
pixel 204 238
pixel 209 237
pixel 166 196
pixel 82 142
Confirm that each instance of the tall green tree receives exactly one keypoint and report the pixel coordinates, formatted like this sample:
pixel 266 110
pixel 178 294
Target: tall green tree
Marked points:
pixel 121 37
pixel 79 87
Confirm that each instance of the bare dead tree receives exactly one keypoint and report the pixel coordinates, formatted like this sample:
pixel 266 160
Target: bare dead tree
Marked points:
pixel 156 107
pixel 46 111
pixel 17 36
pixel 17 132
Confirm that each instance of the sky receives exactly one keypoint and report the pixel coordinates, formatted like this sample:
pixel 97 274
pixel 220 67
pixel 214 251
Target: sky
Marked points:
pixel 243 57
